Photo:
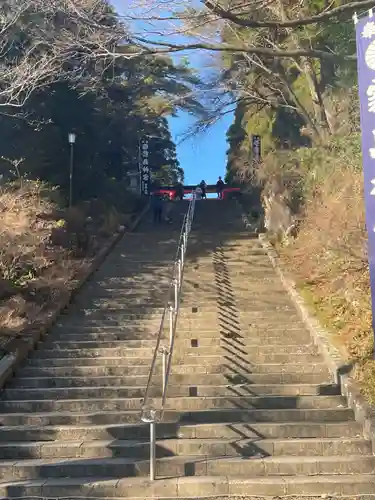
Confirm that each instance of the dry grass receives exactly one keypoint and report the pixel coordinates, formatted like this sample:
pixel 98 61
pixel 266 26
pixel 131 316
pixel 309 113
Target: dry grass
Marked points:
pixel 331 258
pixel 42 249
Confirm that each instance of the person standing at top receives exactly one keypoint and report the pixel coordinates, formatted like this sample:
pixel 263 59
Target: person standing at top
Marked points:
pixel 179 191
pixel 219 188
pixel 157 207
pixel 203 186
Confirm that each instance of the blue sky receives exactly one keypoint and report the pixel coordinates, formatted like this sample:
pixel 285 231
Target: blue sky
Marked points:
pixel 202 156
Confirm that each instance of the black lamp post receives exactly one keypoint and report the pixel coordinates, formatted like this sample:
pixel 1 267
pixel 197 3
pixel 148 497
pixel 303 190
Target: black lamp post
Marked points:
pixel 72 140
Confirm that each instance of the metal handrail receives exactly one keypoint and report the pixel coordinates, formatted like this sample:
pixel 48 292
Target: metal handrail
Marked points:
pixel 151 412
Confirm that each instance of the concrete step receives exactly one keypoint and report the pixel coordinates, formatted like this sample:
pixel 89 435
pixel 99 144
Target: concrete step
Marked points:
pixel 213 345
pixel 190 356
pixel 165 430
pixel 224 415
pixel 269 467
pixel 334 486
pixel 107 324
pixel 233 276
pixel 243 355
pixel 130 302
pixel 295 379
pixel 141 366
pixel 212 448
pixel 120 332
pixel 237 303
pixel 113 366
pixel 69 342
pixel 120 314
pixel 194 322
pixel 93 361
pixel 94 352
pixel 117 391
pixel 186 404
pixel 144 338
pixel 152 314
pixel 230 275
pixel 250 408
pixel 237 281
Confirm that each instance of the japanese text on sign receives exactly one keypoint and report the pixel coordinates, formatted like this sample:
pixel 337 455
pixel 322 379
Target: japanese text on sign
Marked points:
pixel 144 168
pixel 256 147
pixel 365 37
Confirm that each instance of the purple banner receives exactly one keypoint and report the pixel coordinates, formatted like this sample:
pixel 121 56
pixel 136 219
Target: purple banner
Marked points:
pixel 365 34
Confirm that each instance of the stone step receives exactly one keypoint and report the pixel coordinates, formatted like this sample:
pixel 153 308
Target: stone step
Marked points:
pixel 187 404
pixel 69 342
pixel 296 379
pixel 197 323
pixel 131 279
pixel 190 356
pixel 259 330
pixel 149 313
pixel 120 331
pixel 194 322
pixel 212 337
pixel 229 257
pixel 247 497
pixel 129 310
pixel 212 448
pixel 113 366
pixel 93 361
pixel 165 430
pixel 233 275
pixel 125 353
pixel 77 324
pixel 141 366
pixel 223 415
pixel 121 314
pixel 211 345
pixel 269 467
pixel 222 301
pixel 333 486
pixel 132 303
pixel 253 285
pixel 117 391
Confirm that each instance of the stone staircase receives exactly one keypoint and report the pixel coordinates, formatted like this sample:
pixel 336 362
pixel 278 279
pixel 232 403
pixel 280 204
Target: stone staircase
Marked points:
pixel 252 411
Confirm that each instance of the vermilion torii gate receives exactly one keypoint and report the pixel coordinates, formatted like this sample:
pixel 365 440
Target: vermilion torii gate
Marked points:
pixel 171 192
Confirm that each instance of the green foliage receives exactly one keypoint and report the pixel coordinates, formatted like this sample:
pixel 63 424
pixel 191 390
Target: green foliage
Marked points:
pixel 304 170
pixel 113 104
pixel 291 102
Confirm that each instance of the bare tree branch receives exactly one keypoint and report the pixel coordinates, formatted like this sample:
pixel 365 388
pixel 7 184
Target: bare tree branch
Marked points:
pixel 171 47
pixel 326 15
pixel 42 42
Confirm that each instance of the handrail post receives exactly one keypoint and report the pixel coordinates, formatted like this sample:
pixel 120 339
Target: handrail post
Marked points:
pixel 179 273
pixel 175 283
pixel 149 417
pixel 164 352
pixel 152 450
pixel 171 323
pixel 182 253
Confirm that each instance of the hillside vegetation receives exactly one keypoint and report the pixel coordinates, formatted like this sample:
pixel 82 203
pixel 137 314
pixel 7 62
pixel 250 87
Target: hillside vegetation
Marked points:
pixel 73 67
pixel 307 112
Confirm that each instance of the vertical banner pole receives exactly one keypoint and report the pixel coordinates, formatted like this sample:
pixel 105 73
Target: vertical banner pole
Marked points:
pixel 365 37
